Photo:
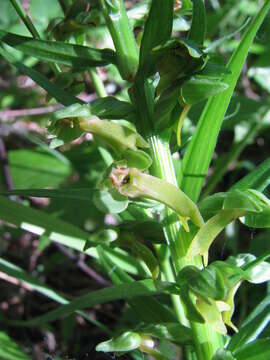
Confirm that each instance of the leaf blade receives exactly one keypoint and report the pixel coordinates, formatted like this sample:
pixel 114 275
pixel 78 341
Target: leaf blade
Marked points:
pixel 77 57
pixel 199 153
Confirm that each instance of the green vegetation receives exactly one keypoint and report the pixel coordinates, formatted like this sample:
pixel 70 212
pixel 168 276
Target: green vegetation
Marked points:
pixel 150 179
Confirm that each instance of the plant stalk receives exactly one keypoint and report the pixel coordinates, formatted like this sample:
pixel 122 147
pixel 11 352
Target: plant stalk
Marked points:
pixel 124 41
pixel 206 340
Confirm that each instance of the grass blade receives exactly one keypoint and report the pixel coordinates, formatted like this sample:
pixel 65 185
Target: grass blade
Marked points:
pixel 200 150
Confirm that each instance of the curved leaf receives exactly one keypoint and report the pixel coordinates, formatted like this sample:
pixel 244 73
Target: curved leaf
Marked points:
pixel 199 88
pixel 125 342
pixel 110 202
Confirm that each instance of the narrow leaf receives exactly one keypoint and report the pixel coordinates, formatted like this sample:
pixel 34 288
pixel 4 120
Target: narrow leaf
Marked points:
pixel 199 153
pixel 10 350
pixel 124 291
pixel 158 27
pixel 258 179
pixel 257 350
pixel 34 284
pixel 76 194
pixel 78 57
pixel 253 326
pixel 198 25
pixel 39 223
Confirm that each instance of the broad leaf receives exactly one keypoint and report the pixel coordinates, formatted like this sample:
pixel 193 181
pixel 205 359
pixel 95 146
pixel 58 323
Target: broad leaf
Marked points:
pixel 125 342
pixel 256 270
pixel 110 202
pixel 199 88
pixel 36 168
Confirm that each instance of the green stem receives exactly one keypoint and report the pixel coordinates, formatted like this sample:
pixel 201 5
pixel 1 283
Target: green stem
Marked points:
pixel 122 35
pixel 163 255
pixel 97 83
pixel 206 340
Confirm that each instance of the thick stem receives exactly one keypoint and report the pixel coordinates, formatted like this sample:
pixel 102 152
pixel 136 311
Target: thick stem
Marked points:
pixel 206 340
